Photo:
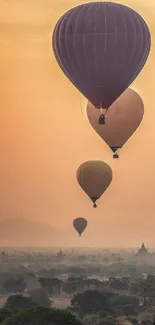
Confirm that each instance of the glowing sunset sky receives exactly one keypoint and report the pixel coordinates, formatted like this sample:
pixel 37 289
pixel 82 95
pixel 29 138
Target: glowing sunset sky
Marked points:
pixel 45 136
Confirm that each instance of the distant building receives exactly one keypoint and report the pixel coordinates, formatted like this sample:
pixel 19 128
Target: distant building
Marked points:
pixel 60 254
pixel 142 250
pixel 3 257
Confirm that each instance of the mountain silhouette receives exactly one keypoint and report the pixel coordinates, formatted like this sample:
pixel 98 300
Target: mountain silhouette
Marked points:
pixel 23 232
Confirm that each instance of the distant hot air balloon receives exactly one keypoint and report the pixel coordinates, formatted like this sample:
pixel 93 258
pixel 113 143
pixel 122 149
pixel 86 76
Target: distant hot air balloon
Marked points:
pixel 80 224
pixel 94 177
pixel 122 119
pixel 101 47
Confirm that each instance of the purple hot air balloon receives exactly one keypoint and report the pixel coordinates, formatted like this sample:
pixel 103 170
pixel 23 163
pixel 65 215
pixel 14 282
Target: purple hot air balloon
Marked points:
pixel 101 47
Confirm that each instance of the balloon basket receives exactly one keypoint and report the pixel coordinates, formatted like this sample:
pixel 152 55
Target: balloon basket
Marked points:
pixel 116 156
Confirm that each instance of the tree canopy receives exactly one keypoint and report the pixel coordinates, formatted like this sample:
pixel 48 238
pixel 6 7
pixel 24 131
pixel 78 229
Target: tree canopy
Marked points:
pixel 5 312
pixel 40 296
pixel 90 301
pixel 20 302
pixel 104 303
pixel 42 316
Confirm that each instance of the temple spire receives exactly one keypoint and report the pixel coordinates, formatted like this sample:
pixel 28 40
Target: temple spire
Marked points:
pixel 142 250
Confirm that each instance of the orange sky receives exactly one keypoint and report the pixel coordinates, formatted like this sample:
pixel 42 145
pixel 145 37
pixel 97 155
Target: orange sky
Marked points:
pixel 45 135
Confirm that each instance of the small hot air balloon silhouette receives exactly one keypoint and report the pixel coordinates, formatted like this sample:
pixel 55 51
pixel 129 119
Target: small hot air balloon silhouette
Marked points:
pixel 122 119
pixel 94 177
pixel 80 224
pixel 101 47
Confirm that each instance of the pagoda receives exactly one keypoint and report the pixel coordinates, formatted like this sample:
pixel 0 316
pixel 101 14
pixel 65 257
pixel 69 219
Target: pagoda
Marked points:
pixel 60 254
pixel 142 250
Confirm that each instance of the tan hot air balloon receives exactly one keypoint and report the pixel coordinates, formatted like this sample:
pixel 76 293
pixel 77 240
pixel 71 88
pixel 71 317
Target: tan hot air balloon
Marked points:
pixel 122 119
pixel 80 224
pixel 94 177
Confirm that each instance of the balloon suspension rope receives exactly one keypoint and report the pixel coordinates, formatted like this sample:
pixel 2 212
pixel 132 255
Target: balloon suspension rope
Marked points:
pixel 101 110
pixel 95 205
pixel 116 155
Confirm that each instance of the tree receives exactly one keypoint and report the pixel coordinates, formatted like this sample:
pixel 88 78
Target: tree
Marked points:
pixel 40 296
pixel 52 285
pixel 135 287
pixel 129 310
pixel 5 313
pixel 69 287
pixel 125 305
pixel 107 321
pixel 42 316
pixel 90 301
pixel 91 320
pixel 15 284
pixel 19 302
pixel 122 300
pixel 78 284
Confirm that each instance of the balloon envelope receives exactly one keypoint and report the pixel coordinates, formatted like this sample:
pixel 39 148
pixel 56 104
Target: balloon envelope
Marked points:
pixel 80 224
pixel 101 47
pixel 122 119
pixel 94 177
